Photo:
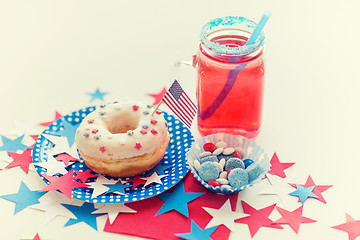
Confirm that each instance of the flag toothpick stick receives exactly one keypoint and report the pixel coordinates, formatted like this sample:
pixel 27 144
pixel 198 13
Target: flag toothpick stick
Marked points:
pixel 157 107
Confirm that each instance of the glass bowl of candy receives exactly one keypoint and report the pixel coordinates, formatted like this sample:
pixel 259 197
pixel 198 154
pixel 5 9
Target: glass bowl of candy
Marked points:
pixel 227 164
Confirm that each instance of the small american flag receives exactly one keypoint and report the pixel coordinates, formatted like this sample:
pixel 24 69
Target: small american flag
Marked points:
pixel 179 102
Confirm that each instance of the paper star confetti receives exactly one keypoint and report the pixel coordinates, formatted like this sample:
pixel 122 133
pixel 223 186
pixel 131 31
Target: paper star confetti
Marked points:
pixel 352 227
pixel 158 96
pixel 23 198
pixel 37 237
pixel 197 233
pixel 317 190
pixel 57 117
pixel 303 193
pixel 154 178
pixel 65 184
pixel 279 186
pixel 171 200
pixel 83 213
pixel 118 188
pixel 12 145
pixel 52 166
pixel 84 176
pixel 136 181
pixel 61 146
pixel 224 216
pixel 277 168
pixel 258 218
pixel 293 219
pixel 66 158
pixel 144 224
pixel 113 210
pixel 50 204
pixel 22 160
pixel 97 95
pixel 68 131
pixel 98 186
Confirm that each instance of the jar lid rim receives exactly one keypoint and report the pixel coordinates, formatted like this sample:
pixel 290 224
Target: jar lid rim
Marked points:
pixel 230 21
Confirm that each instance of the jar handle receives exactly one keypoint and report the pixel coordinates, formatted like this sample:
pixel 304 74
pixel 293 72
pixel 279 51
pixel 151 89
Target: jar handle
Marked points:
pixel 187 61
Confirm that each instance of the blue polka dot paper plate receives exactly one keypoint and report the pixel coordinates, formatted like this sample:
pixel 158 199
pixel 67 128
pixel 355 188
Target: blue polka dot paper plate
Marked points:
pixel 172 167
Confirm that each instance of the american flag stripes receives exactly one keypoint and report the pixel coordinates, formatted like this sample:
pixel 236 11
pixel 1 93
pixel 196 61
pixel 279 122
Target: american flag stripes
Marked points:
pixel 181 105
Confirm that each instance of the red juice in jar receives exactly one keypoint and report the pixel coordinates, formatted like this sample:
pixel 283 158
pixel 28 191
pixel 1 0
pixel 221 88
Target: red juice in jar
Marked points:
pixel 230 78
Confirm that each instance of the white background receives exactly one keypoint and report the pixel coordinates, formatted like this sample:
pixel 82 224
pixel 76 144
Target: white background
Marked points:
pixel 52 53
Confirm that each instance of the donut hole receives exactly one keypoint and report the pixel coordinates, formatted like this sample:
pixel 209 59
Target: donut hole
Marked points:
pixel 120 124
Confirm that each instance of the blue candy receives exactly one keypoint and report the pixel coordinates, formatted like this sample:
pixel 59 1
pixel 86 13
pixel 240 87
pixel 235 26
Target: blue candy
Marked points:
pixel 238 177
pixel 221 156
pixel 248 162
pixel 254 171
pixel 233 163
pixel 208 171
pixel 208 159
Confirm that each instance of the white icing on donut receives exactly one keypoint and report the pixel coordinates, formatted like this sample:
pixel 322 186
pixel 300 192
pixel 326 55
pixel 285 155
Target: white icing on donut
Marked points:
pixel 121 130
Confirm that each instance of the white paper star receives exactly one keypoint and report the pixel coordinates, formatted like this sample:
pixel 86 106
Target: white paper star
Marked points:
pixel 98 186
pixel 52 166
pixel 154 178
pixel 224 216
pixel 27 128
pixel 61 146
pixel 50 203
pixel 113 209
pixel 279 186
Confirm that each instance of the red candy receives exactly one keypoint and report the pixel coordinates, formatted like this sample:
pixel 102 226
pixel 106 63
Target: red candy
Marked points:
pixel 214 183
pixel 209 147
pixel 237 154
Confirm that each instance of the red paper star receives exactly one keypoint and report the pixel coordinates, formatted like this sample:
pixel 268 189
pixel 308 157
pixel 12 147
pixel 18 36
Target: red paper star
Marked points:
pixel 22 160
pixel 352 227
pixel 277 168
pixel 137 181
pixel 258 218
pixel 317 190
pixel 57 116
pixel 64 184
pixel 84 176
pixel 293 219
pixel 66 158
pixel 37 237
pixel 157 96
pixel 144 224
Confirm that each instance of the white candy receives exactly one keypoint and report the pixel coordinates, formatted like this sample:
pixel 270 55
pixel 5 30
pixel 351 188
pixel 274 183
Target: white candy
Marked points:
pixel 222 181
pixel 223 175
pixel 196 164
pixel 228 151
pixel 226 186
pixel 218 151
pixel 222 162
pixel 221 145
pixel 204 154
pixel 219 166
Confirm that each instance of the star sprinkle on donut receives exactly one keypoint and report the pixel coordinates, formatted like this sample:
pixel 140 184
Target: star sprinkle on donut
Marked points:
pixel 102 149
pixel 138 146
pixel 135 107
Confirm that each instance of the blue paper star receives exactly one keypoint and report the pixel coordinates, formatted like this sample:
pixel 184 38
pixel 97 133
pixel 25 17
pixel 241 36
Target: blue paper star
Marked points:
pixel 23 198
pixel 97 95
pixel 83 214
pixel 12 145
pixel 197 233
pixel 177 200
pixel 304 193
pixel 68 131
pixel 118 186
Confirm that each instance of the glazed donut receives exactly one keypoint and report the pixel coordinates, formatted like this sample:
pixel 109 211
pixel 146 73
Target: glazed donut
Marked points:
pixel 122 139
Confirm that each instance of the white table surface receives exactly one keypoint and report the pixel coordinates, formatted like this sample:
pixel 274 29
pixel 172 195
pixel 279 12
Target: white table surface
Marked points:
pixel 54 52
